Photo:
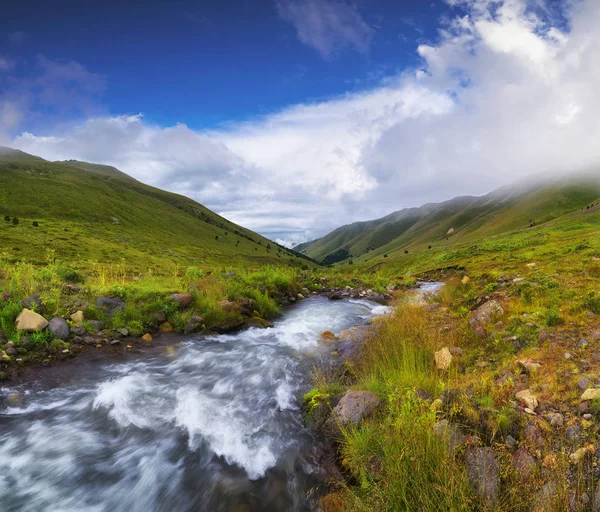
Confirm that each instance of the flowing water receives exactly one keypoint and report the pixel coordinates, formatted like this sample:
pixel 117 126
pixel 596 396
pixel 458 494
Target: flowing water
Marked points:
pixel 211 424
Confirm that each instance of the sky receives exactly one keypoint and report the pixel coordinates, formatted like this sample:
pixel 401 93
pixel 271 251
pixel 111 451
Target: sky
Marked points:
pixel 293 117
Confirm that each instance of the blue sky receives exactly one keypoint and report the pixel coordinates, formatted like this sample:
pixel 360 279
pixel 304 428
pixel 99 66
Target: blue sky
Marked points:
pixel 205 63
pixel 293 117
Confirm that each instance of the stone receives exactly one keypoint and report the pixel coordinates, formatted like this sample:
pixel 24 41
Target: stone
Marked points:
pixel 183 300
pixel 110 305
pixel 557 420
pixel 327 336
pixel 529 366
pixel 568 355
pixel 590 394
pixel 159 317
pixel 533 436
pixel 165 327
pixel 11 351
pixel 484 474
pixel 510 441
pixel 578 455
pixel 485 313
pixel 518 280
pixel 98 345
pixel 123 332
pixel 147 337
pixel 582 343
pixel 526 397
pixel 77 317
pixel 443 359
pixel 300 296
pixel 115 342
pixel 259 323
pixel 456 351
pixel 30 321
pixel 583 383
pixel 32 302
pixel 421 394
pixel 353 407
pixel 572 434
pixel 58 326
pixel 77 331
pixel 354 334
pixel 583 407
pixel 451 432
pixel 523 463
pixel 465 279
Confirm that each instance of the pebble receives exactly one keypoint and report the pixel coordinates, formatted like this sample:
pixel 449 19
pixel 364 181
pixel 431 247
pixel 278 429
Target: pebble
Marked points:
pixel 557 420
pixel 587 416
pixel 583 383
pixel 568 355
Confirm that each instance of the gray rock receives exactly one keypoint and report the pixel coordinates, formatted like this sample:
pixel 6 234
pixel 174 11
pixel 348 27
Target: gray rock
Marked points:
pixel 110 304
pixel 77 331
pixel 11 351
pixel 451 432
pixel 484 474
pixel 510 441
pixel 195 324
pixel 484 314
pixel 557 420
pixel 34 302
pixel 583 383
pixel 351 409
pixel 58 326
pixel 582 343
pixel 123 332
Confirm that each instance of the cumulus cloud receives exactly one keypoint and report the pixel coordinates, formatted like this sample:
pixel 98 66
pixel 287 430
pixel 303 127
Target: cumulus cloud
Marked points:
pixel 328 26
pixel 504 92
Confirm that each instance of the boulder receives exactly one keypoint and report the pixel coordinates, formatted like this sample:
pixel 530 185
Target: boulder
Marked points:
pixel 183 300
pixel 590 394
pixel 327 336
pixel 485 314
pixel 110 305
pixel 97 325
pixel 123 332
pixel 354 334
pixel 58 326
pixel 229 306
pixel 77 317
pixel 484 474
pixel 351 409
pixel 526 397
pixel 30 321
pixel 443 359
pixel 258 323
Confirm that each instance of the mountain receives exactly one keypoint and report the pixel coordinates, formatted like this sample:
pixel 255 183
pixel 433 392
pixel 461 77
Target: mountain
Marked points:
pixel 462 219
pixel 78 211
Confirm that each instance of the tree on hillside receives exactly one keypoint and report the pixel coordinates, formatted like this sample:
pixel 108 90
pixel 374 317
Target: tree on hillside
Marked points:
pixel 35 224
pixel 6 218
pixel 406 252
pixel 15 221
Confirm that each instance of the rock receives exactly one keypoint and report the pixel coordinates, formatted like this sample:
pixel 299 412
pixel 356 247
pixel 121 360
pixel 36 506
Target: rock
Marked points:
pixel 183 300
pixel 582 343
pixel 159 317
pixel 451 432
pixel 77 331
pixel 115 342
pixel 354 334
pixel 229 306
pixel 526 397
pixel 484 474
pixel 510 441
pixel 583 383
pixel 533 436
pixel 327 336
pixel 523 463
pixel 518 280
pixel 165 327
pixel 259 323
pixel 351 409
pixel 110 305
pixel 587 416
pixel 30 321
pixel 456 351
pixel 300 296
pixel 195 324
pixel 557 420
pixel 77 317
pixel 590 394
pixel 32 302
pixel 147 337
pixel 123 332
pixel 11 351
pixel 484 314
pixel 465 279
pixel 568 355
pixel 58 326
pixel 572 434
pixel 578 455
pixel 335 296
pixel 443 359
pixel 529 366
pixel 421 394
pixel 97 325
pixel 583 407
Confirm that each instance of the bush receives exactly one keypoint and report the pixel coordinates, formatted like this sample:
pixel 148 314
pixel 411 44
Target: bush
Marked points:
pixel 553 318
pixel 592 302
pixel 15 221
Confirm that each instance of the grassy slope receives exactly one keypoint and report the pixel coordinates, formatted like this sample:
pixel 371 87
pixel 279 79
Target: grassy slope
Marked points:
pixel 76 204
pixel 502 211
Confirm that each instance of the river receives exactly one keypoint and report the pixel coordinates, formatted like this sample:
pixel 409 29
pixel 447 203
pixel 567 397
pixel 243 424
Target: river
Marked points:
pixel 209 424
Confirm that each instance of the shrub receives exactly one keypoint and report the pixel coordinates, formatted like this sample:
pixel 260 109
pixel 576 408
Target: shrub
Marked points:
pixel 553 318
pixel 6 218
pixel 15 221
pixel 592 302
pixel 35 224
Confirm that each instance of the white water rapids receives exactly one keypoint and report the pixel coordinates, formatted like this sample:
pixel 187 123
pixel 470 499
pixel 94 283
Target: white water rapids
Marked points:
pixel 213 424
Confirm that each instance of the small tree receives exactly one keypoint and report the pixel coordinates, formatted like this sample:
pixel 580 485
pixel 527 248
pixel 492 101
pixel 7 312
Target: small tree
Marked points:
pixel 6 218
pixel 429 247
pixel 35 224
pixel 406 252
pixel 15 221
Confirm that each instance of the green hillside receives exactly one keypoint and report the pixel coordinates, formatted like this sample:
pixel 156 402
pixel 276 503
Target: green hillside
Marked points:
pixel 89 214
pixel 459 220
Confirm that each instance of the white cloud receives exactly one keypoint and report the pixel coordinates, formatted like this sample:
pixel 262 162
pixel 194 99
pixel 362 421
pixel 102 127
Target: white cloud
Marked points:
pixel 328 26
pixel 503 93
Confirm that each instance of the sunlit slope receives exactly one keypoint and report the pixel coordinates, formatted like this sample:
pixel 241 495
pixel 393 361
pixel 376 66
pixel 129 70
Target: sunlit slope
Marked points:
pixel 93 213
pixel 461 219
